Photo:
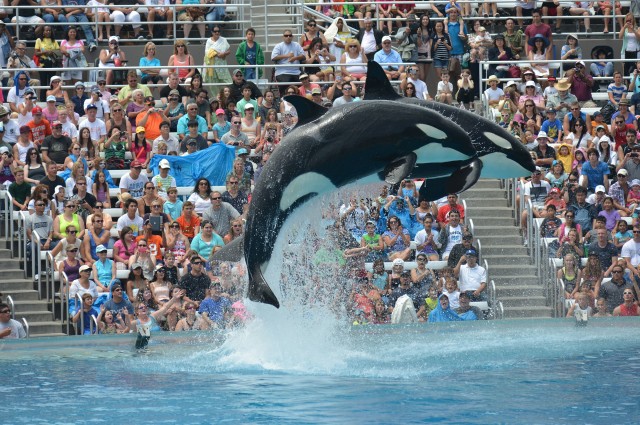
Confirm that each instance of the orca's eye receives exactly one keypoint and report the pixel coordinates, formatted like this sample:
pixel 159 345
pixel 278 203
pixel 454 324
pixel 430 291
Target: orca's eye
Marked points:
pixel 499 141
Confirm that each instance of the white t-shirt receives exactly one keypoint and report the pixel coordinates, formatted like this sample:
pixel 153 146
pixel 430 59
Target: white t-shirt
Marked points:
pixel 455 237
pixel 17 331
pixel 134 186
pixel 70 130
pixel 135 224
pixel 77 289
pixel 172 144
pixel 494 94
pixel 472 278
pixel 103 107
pixel 11 132
pixel 97 128
pixel 631 250
pixel 422 92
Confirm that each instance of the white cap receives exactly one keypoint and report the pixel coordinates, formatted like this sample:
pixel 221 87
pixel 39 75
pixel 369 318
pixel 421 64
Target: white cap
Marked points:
pixel 510 83
pixel 530 84
pixel 604 138
pixel 600 188
pixel 542 134
pixel 57 189
pixel 398 262
pixel 164 164
pixel 386 38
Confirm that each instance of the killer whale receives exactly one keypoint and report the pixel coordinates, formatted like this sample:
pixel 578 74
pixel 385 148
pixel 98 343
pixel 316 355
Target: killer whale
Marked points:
pixel 501 154
pixel 349 144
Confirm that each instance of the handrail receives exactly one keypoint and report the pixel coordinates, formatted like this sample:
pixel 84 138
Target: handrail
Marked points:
pixel 471 226
pixel 560 287
pixel 529 206
pixel 10 222
pixel 80 307
pixel 12 306
pixel 27 329
pixel 493 296
pixel 65 308
pixel 479 249
pixel 501 309
pixel 93 326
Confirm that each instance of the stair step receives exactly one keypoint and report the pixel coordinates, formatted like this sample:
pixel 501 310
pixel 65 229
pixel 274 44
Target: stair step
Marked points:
pixel 519 250
pixel 30 305
pixel 515 271
pixel 14 273
pixel 22 294
pixel 478 214
pixel 506 292
pixel 527 312
pixel 529 301
pixel 45 328
pixel 46 335
pixel 486 202
pixel 479 193
pixel 494 230
pixel 15 284
pixel 486 184
pixel 35 316
pixel 505 223
pixel 505 259
pixel 508 281
pixel 500 240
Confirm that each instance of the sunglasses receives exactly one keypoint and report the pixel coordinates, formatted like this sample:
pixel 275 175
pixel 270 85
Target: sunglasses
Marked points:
pixel 99 206
pixel 216 198
pixel 616 271
pixel 197 263
pixel 288 35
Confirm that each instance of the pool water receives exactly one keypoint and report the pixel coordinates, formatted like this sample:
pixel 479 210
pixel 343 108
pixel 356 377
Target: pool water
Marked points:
pixel 282 372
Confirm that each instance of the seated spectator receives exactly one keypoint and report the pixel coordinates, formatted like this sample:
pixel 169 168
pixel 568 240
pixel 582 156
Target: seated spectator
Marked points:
pixel 9 328
pixel 494 93
pixel 472 276
pixel 466 311
pixel 103 270
pixel 629 307
pixel 136 281
pixel 452 204
pixel 500 52
pixel 172 207
pixel 451 234
pixel 195 282
pixel 188 221
pixel 20 191
pixel 595 172
pixel 580 309
pixel 570 51
pixel 131 218
pixel 442 312
pixel 86 310
pixel 602 67
pixel 234 196
pixel 625 113
pixel 427 240
pixel 535 191
pixel 563 100
pixel 570 273
pixel 460 249
pixel 207 242
pixel 93 237
pixel 584 213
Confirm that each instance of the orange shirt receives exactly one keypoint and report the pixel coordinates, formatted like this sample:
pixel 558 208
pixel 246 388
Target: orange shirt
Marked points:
pixel 188 228
pixel 153 124
pixel 154 243
pixel 39 131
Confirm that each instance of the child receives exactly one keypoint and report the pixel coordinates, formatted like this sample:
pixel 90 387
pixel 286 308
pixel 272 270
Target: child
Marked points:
pixel 558 202
pixel 581 309
pixel 602 68
pixel 465 93
pixel 633 199
pixel 602 308
pixel 551 223
pixel 550 90
pixel 611 214
pixel 600 133
pixel 565 156
pixel 453 5
pixel 20 191
pixel 429 304
pixel 598 121
pixel 222 126
pixel 580 158
pixel 445 89
pixel 451 291
pixel 173 206
pixel 529 140
pixel 552 126
pixel 623 234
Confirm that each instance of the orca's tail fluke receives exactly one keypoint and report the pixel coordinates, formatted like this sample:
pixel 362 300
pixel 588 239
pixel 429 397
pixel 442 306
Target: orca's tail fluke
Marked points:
pixel 259 291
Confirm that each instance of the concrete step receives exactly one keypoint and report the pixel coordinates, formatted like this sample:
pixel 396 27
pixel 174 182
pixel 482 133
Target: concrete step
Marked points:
pixel 15 284
pixel 511 271
pixel 527 312
pixel 528 301
pixel 13 273
pixel 480 213
pixel 497 202
pixel 30 305
pixel 22 295
pixel 494 230
pixel 9 263
pixel 506 292
pixel 484 193
pixel 524 280
pixel 498 250
pixel 505 260
pixel 500 240
pixel 500 222
pixel 32 335
pixel 485 184
pixel 35 316
pixel 46 328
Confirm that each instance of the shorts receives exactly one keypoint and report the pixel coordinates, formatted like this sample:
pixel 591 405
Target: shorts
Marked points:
pixel 185 17
pixel 71 75
pixel 441 63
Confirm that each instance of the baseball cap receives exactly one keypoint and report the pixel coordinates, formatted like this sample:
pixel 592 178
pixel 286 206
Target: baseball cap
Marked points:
pixel 623 171
pixel 316 90
pixel 471 252
pixel 92 106
pixel 164 164
pixel 83 267
pixel 551 111
pixel 4 149
pixel 101 248
pixel 219 111
pixel 249 106
pixel 600 188
pixel 136 164
pixel 56 123
pixel 96 89
pixel 237 71
pixel 36 110
pixel 242 151
pixel 303 76
pixel 398 262
pixel 79 84
pixel 386 38
pixel 174 91
pixel 25 129
pixel 555 190
pixel 51 98
pixel 141 129
pixel 530 84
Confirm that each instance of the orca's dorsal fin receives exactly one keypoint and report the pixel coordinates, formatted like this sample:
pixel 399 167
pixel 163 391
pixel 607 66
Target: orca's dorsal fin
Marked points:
pixel 260 292
pixel 307 110
pixel 398 169
pixel 378 86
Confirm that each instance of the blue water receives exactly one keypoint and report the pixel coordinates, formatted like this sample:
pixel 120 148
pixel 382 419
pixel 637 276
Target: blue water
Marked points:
pixel 528 372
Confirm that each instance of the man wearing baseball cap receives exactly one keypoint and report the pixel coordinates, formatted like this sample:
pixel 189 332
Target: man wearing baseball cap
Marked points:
pixel 235 88
pixel 11 129
pixel 40 127
pixel 472 276
pixel 96 126
pixel 581 83
pixel 56 146
pixel 389 56
pixel 134 181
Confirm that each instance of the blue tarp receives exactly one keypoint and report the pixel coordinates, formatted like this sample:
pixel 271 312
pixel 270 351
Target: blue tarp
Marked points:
pixel 213 163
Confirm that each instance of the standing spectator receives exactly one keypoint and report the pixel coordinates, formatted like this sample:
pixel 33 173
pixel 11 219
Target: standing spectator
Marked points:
pixel 216 51
pixel 613 290
pixel 536 191
pixel 581 84
pixel 75 12
pixel 538 27
pixel 249 52
pixel 238 84
pixel 237 198
pixel 451 234
pixel 290 53
pixel 369 38
pixel 472 276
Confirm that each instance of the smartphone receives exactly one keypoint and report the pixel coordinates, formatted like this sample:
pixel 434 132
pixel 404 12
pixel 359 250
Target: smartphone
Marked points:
pixel 338 77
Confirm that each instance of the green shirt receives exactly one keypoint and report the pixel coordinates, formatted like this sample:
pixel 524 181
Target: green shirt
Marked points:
pixel 20 192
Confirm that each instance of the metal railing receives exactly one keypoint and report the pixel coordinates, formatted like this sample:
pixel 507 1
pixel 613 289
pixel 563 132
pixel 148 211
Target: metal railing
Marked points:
pixel 12 306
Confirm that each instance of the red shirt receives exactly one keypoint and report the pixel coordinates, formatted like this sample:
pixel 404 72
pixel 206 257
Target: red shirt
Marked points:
pixel 532 30
pixel 188 228
pixel 443 213
pixel 620 136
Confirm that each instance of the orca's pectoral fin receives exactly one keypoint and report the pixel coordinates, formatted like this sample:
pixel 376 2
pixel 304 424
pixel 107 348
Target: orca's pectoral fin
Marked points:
pixel 377 85
pixel 398 169
pixel 459 181
pixel 233 251
pixel 260 292
pixel 307 110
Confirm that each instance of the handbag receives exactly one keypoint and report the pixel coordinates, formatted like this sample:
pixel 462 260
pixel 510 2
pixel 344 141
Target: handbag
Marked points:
pixel 514 71
pixel 607 111
pixel 50 60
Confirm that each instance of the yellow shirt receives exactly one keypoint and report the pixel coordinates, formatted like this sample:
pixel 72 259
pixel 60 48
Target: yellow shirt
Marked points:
pixel 126 91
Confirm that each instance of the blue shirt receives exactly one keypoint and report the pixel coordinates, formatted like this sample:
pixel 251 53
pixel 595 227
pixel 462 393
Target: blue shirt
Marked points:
pixel 215 308
pixel 174 210
pixel 144 62
pixel 552 128
pixel 595 175
pixel 617 91
pixel 183 128
pixel 392 57
pixel 222 130
pixel 454 35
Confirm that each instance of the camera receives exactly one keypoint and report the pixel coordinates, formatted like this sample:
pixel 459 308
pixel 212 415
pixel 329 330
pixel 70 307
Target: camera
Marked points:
pixel 14 55
pixel 633 155
pixel 269 139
